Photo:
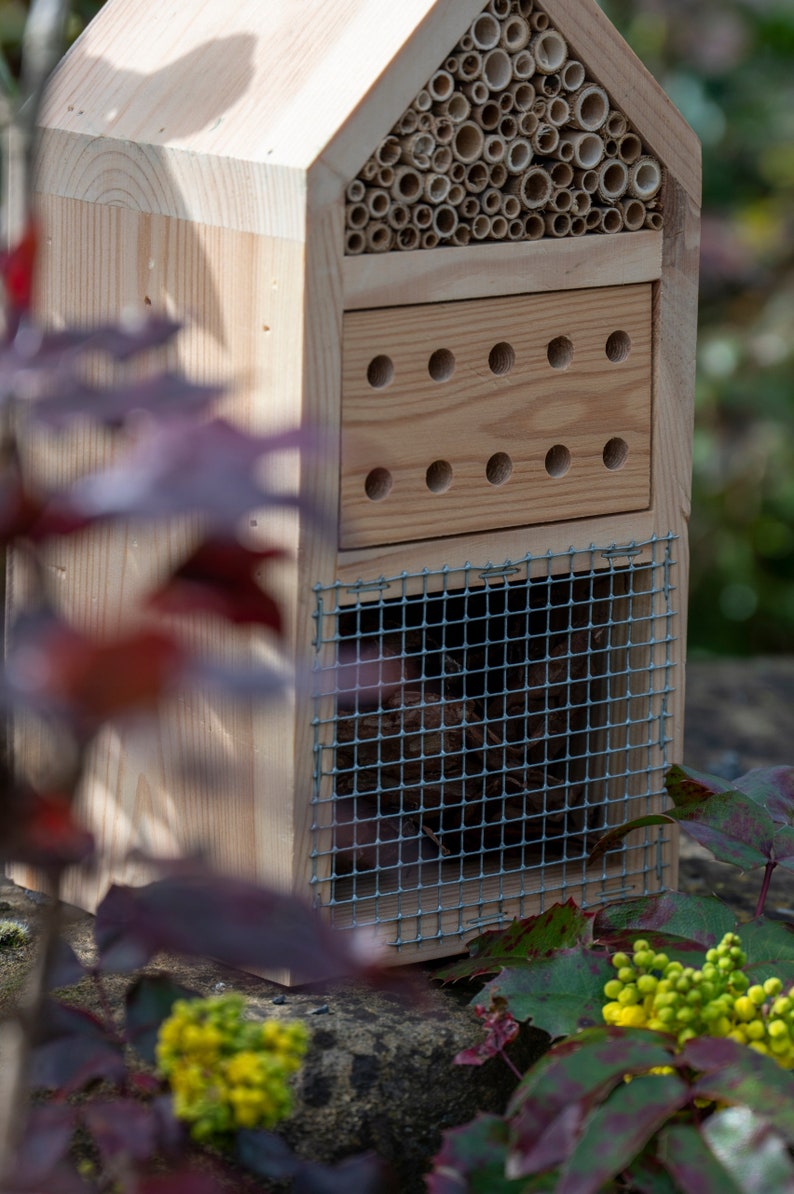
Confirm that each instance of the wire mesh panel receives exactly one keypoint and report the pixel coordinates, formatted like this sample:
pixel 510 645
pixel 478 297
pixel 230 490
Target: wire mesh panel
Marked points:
pixel 478 728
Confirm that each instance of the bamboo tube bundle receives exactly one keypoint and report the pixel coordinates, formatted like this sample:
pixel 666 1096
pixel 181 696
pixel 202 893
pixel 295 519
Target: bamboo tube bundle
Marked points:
pixel 509 139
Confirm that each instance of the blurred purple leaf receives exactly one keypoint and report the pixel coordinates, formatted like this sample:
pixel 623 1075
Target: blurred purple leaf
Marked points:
pixel 561 926
pixel 148 1002
pixel 122 1128
pixel 133 334
pixel 472 1158
pixel 74 1050
pixel 165 395
pixel 749 1146
pixel 65 968
pixel 692 1164
pixel 732 1073
pixel 44 1146
pixel 236 922
pixel 182 1181
pixel 268 1155
pixel 219 577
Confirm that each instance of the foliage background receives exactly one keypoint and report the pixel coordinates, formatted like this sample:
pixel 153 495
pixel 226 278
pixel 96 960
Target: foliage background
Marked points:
pixel 729 66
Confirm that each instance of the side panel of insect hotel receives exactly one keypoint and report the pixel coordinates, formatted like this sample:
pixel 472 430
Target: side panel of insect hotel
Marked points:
pixel 459 243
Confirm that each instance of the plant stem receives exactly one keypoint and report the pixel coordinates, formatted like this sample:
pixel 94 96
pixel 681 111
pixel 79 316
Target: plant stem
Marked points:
pixel 768 869
pixel 514 1068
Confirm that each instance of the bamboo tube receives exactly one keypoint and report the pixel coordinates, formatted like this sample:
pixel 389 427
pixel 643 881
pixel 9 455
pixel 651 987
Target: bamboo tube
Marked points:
pixel 445 220
pixel 557 112
pixel 515 230
pixel 588 149
pixel 369 170
pixel 523 96
pixel 645 178
pixel 545 139
pixel 550 51
pixel 511 207
pixel 518 156
pixel 457 171
pixel 589 108
pixel 422 101
pixel 653 219
pixel 378 202
pixel 593 219
pixel 557 224
pixel 398 216
pixel 528 124
pixel 498 173
pixel 572 75
pixel 385 177
pixel 581 202
pixel 379 237
pixel 633 214
pixel 444 132
pixel 499 8
pixel 578 226
pixel 407 185
pixel 611 147
pixel 550 85
pixel 470 207
pixel 561 200
pixel 534 226
pixel 455 109
pixel 587 180
pixel 523 66
pixel 441 159
pixel 491 201
pixel 477 177
pixel 428 239
pixel 481 227
pixel 436 187
pixel 524 7
pixel 355 191
pixel 469 66
pixel 356 215
pixel 497 70
pixel 616 124
pixel 613 180
pixel 561 174
pixel 441 86
pixel 508 128
pixel 494 149
pixel 456 195
pixel 462 235
pixel 487 116
pixel 485 32
pixel 408 122
pixel 355 242
pixel 466 43
pixel 407 238
pixel 417 150
pixel 506 101
pixel 534 188
pixel 425 122
pixel 611 220
pixel 388 152
pixel 498 227
pixel 477 93
pixel 538 22
pixel 565 152
pixel 629 148
pixel 515 34
pixel 451 64
pixel 539 107
pixel 422 215
pixel 468 143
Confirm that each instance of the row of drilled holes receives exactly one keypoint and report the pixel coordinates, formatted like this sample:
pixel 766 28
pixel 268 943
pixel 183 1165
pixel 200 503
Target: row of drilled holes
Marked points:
pixel 498 470
pixel 501 359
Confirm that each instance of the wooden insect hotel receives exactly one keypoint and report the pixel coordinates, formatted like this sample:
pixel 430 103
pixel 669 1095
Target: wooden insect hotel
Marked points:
pixel 460 243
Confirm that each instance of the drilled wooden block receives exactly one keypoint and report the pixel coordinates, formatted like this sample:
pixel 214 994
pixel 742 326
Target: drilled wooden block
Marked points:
pixel 493 413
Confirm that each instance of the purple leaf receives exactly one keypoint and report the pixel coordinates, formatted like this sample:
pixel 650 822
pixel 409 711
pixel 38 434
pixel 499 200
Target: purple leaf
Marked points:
pixel 75 1050
pixel 162 396
pixel 619 1129
pixel 561 926
pixel 686 786
pixel 182 1181
pixel 268 1155
pixel 45 1144
pixel 231 920
pixel 691 1163
pixel 732 1073
pixel 65 968
pixel 754 1153
pixel 769 945
pixel 472 1159
pixel 148 1002
pixel 773 789
pixel 500 1030
pixel 549 1107
pixel 35 346
pixel 700 919
pixel 560 994
pixel 122 1128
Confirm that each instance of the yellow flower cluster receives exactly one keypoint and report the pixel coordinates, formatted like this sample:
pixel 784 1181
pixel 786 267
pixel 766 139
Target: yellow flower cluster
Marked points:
pixel 227 1072
pixel 650 991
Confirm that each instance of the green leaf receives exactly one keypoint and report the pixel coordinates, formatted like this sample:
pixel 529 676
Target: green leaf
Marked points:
pixel 701 919
pixel 769 945
pixel 686 786
pixel 549 1107
pixel 559 994
pixel 615 836
pixel 692 1164
pixel 732 1073
pixel 750 1148
pixel 473 1158
pixel 619 1129
pixel 149 1001
pixel 649 1177
pixel 773 789
pixel 559 927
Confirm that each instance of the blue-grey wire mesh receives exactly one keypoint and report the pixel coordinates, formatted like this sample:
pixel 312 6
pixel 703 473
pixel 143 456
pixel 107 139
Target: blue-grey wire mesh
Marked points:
pixel 478 728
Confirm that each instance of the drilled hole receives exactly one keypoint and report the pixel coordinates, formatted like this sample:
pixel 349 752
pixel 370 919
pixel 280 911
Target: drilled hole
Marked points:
pixel 378 484
pixel 439 476
pixel 560 352
pixel 441 365
pixel 558 461
pixel 501 358
pixel 615 453
pixel 380 372
pixel 499 468
pixel 618 347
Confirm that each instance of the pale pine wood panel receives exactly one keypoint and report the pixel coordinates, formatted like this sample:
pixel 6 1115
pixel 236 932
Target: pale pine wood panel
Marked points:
pixel 476 418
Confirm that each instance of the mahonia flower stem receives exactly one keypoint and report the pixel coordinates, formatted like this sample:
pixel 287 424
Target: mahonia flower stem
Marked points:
pixel 768 869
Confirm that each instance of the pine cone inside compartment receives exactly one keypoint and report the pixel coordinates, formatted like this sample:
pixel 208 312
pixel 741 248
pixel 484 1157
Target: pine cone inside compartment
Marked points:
pixel 414 755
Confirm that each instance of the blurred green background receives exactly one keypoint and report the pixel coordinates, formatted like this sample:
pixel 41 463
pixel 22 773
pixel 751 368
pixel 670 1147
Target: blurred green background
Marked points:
pixel 729 66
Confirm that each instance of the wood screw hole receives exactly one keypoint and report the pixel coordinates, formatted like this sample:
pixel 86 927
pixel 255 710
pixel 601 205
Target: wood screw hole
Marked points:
pixel 559 352
pixel 501 359
pixel 378 484
pixel 618 347
pixel 441 365
pixel 438 477
pixel 615 453
pixel 499 468
pixel 558 461
pixel 380 372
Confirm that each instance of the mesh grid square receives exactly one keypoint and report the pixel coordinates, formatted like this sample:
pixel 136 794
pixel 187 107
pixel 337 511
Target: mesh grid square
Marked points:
pixel 478 728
